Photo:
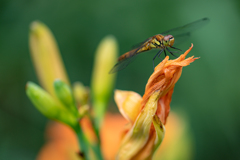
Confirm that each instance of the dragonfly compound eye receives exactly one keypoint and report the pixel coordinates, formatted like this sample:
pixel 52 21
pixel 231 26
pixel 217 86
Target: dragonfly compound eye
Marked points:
pixel 168 40
pixel 171 41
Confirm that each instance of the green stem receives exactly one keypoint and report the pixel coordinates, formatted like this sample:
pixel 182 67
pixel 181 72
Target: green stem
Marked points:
pixel 83 142
pixel 97 151
pixel 84 145
pixel 97 147
pixel 99 110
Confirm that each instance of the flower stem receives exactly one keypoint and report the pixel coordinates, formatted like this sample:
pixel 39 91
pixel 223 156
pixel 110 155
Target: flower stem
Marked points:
pixel 97 147
pixel 83 142
pixel 85 145
pixel 97 151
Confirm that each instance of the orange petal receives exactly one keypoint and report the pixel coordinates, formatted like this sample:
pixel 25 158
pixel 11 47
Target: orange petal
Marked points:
pixel 61 143
pixel 129 104
pixel 164 106
pixel 111 134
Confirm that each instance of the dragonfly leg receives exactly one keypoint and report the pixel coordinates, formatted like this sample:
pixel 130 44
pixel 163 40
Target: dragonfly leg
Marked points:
pixel 159 53
pixel 176 48
pixel 165 53
pixel 171 53
pixel 176 51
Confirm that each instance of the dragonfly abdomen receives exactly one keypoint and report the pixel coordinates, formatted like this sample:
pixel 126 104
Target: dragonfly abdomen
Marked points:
pixel 128 54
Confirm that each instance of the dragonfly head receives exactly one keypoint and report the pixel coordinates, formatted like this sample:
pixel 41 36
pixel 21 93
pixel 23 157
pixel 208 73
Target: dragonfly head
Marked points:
pixel 168 41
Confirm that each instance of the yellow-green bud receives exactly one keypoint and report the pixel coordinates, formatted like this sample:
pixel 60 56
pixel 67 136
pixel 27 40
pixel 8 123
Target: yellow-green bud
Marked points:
pixel 46 57
pixel 64 94
pixel 49 106
pixel 81 93
pixel 103 82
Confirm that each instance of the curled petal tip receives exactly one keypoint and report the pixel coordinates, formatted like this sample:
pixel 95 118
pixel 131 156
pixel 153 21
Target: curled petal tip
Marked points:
pixel 187 51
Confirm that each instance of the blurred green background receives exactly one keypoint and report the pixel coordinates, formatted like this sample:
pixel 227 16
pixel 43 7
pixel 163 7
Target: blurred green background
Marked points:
pixel 208 90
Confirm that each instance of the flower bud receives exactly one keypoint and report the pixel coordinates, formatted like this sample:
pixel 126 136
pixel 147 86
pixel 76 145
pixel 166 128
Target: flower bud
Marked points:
pixel 80 93
pixel 48 105
pixel 64 94
pixel 102 82
pixel 46 57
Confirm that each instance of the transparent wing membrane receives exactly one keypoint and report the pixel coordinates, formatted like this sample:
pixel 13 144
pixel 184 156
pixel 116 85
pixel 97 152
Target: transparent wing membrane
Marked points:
pixel 122 64
pixel 187 28
pixel 181 38
pixel 140 44
pixel 125 62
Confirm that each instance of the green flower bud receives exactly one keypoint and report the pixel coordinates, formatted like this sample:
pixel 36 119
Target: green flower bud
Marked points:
pixel 48 105
pixel 64 94
pixel 81 93
pixel 46 57
pixel 102 82
pixel 83 110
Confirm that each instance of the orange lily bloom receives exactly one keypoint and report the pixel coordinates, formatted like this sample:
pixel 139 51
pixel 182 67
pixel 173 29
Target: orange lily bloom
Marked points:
pixel 147 126
pixel 164 78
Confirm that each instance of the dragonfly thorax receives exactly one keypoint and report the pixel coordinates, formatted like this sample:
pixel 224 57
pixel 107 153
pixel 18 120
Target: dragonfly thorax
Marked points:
pixel 168 41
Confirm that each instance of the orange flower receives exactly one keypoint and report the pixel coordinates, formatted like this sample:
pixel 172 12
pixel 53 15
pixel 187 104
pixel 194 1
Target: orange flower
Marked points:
pixel 164 78
pixel 146 127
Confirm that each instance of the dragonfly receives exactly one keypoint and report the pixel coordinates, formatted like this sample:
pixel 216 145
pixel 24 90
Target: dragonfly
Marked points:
pixel 163 41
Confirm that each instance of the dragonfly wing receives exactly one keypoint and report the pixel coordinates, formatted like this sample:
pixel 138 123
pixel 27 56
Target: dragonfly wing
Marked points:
pixel 123 63
pixel 181 38
pixel 187 28
pixel 139 45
